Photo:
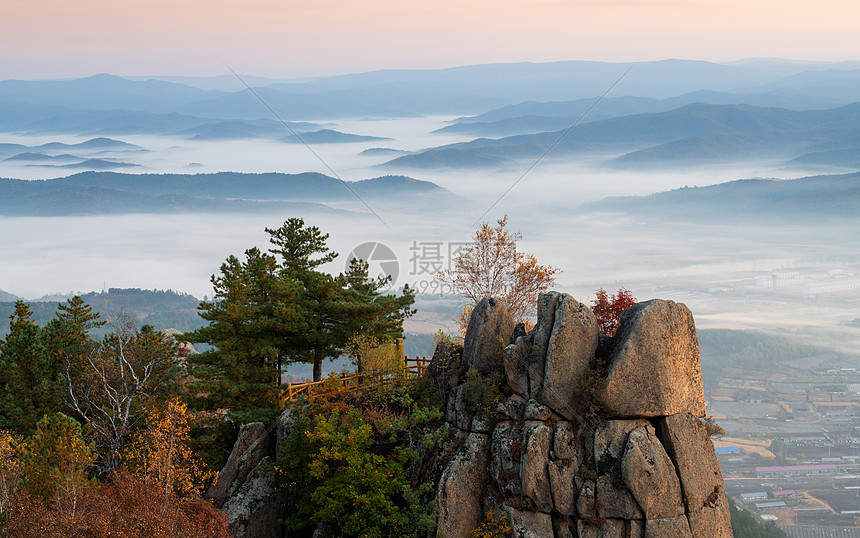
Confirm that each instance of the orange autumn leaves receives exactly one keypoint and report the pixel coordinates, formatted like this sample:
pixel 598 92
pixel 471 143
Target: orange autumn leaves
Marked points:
pixel 493 267
pixel 45 489
pixel 161 454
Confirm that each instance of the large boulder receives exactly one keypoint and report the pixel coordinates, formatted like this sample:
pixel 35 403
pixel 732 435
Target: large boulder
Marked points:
pixel 688 444
pixel 459 494
pixel 490 328
pixel 505 457
pixel 614 500
pixel 545 320
pixel 253 510
pixel 600 437
pixel 570 351
pixel 654 367
pixel 586 500
pixel 534 471
pixel 517 358
pixel 563 468
pixel 650 476
pixel 457 411
pixel 565 529
pixel 538 342
pixel 712 520
pixel 537 411
pixel 602 528
pixel 513 408
pixel 253 444
pixel 182 349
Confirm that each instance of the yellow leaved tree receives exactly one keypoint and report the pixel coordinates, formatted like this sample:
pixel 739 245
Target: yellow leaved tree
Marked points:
pixel 370 353
pixel 11 470
pixel 161 453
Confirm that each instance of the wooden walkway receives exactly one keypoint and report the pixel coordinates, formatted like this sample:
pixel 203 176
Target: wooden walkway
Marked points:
pixel 357 383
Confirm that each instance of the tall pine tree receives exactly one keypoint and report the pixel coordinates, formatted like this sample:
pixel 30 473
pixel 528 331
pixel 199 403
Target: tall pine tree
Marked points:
pixel 276 308
pixel 250 323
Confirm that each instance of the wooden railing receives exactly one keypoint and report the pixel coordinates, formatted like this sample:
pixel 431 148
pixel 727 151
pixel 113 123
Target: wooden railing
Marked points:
pixel 357 383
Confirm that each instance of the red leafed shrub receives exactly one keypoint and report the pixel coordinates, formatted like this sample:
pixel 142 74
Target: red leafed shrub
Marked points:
pixel 608 308
pixel 125 507
pixel 203 519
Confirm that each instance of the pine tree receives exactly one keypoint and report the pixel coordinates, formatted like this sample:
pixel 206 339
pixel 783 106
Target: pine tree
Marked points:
pixel 31 376
pixel 374 316
pixel 79 314
pixel 252 326
pixel 334 308
pixel 275 308
pixel 67 336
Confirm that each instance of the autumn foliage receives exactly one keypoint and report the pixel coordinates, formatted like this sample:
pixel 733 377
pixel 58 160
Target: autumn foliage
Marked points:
pixel 161 453
pixel 608 309
pixel 493 267
pixel 123 507
pixel 10 470
pixel 91 444
pixel 45 490
pixel 370 353
pixel 55 460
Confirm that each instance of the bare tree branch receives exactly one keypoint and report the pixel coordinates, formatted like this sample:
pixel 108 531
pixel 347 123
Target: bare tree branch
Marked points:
pixel 121 371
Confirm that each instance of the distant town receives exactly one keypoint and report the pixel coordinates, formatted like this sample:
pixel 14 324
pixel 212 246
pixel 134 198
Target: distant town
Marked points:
pixel 791 454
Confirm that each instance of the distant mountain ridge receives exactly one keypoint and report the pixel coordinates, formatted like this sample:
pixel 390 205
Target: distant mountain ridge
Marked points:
pixel 5 296
pixel 329 136
pixel 793 200
pixel 533 117
pixel 159 308
pixel 53 119
pixel 103 92
pixel 689 134
pixel 111 192
pixel 96 164
pixel 657 115
pixel 100 143
pixel 41 157
pixel 470 90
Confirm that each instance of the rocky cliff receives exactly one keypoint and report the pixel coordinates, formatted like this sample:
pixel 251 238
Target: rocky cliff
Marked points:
pixel 600 437
pixel 565 432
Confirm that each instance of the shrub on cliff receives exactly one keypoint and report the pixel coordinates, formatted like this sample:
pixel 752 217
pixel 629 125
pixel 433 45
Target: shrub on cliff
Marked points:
pixel 344 463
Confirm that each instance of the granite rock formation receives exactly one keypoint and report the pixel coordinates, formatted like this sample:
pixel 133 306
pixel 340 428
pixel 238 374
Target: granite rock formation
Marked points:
pixel 594 436
pixel 244 488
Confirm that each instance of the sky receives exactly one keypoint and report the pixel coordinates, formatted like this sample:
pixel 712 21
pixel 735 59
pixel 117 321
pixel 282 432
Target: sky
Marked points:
pixel 307 38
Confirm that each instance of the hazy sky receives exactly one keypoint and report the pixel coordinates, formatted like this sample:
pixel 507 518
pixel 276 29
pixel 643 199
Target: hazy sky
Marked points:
pixel 297 38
